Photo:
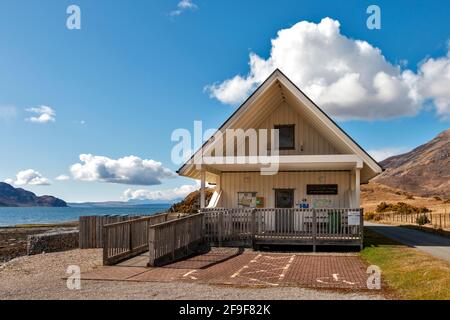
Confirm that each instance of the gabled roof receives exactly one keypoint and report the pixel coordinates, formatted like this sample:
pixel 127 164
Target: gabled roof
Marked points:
pixel 288 91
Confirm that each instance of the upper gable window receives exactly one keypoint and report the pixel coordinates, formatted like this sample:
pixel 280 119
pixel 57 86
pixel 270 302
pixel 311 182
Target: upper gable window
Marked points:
pixel 287 136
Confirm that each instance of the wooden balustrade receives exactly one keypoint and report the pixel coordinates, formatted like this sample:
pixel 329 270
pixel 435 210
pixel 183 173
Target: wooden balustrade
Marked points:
pixel 176 239
pixel 168 241
pixel 126 239
pixel 91 228
pixel 244 227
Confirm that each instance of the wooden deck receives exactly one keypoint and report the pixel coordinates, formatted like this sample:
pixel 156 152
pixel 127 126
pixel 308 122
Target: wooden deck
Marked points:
pixel 252 227
pixel 170 240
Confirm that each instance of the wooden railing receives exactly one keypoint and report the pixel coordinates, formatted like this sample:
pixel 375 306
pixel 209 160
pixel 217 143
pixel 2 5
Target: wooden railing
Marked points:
pixel 168 241
pixel 245 227
pixel 173 240
pixel 123 240
pixel 91 228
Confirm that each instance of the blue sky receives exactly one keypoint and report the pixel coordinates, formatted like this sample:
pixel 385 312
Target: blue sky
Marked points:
pixel 138 70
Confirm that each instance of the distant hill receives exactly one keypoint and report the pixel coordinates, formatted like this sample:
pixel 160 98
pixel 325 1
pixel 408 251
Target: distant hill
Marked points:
pixel 18 197
pixel 119 204
pixel 424 171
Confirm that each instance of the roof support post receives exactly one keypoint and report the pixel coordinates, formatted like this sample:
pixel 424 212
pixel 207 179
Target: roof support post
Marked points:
pixel 357 187
pixel 202 188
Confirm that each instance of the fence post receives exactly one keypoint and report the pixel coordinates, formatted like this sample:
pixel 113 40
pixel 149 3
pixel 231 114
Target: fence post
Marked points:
pixel 253 222
pixel 151 247
pixel 105 246
pixel 174 240
pixel 82 232
pixel 130 240
pixel 314 228
pixel 361 227
pixel 220 226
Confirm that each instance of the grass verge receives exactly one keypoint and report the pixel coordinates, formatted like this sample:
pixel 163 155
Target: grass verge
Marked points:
pixel 412 274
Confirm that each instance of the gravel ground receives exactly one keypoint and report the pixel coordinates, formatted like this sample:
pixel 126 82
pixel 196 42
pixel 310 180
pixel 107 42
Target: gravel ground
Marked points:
pixel 40 277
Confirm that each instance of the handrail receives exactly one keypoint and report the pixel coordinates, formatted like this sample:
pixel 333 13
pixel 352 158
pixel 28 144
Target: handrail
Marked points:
pixel 123 240
pixel 156 225
pixel 172 240
pixel 135 220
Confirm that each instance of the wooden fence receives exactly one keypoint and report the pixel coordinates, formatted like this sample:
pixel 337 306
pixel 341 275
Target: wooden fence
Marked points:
pixel 126 239
pixel 173 240
pixel 436 220
pixel 91 228
pixel 251 227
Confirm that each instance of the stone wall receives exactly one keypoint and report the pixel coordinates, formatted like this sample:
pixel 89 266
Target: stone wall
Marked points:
pixel 53 241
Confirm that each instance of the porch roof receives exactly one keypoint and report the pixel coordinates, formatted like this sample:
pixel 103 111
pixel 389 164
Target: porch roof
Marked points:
pixel 216 165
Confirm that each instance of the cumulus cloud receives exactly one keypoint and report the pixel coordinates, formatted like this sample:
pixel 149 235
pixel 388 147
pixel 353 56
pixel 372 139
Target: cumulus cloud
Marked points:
pixel 434 83
pixel 62 177
pixel 384 153
pixel 7 113
pixel 128 170
pixel 29 177
pixel 165 195
pixel 348 78
pixel 44 114
pixel 182 6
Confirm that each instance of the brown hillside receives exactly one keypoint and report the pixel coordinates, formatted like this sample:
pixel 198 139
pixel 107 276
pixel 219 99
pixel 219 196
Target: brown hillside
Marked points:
pixel 191 203
pixel 424 171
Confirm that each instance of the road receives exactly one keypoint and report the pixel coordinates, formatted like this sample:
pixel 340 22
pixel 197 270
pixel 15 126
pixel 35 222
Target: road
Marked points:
pixel 435 245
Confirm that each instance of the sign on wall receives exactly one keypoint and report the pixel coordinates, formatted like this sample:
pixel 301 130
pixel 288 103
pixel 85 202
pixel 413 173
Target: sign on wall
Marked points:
pixel 246 199
pixel 321 189
pixel 354 218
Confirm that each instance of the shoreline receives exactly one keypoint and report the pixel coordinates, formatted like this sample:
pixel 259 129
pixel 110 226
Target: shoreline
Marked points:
pixel 13 239
pixel 62 224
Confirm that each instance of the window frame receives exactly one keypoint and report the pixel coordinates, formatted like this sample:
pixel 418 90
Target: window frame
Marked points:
pixel 280 126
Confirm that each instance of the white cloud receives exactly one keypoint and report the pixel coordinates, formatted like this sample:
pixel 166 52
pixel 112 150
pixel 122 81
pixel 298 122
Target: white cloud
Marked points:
pixel 7 113
pixel 182 6
pixel 128 170
pixel 384 153
pixel 9 181
pixel 348 78
pixel 29 177
pixel 165 195
pixel 44 114
pixel 62 177
pixel 434 83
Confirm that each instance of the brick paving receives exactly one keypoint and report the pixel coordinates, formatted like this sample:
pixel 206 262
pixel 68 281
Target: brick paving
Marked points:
pixel 264 269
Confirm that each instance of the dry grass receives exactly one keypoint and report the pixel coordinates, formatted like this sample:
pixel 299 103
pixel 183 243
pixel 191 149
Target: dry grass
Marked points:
pixel 374 193
pixel 412 274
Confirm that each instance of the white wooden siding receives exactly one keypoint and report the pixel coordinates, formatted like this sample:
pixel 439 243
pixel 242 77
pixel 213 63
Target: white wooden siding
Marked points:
pixel 234 182
pixel 308 141
pixel 305 134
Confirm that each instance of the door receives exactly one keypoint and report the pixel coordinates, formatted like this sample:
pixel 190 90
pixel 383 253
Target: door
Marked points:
pixel 284 219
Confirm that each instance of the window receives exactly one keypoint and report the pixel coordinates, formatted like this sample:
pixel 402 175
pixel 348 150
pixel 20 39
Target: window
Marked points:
pixel 286 136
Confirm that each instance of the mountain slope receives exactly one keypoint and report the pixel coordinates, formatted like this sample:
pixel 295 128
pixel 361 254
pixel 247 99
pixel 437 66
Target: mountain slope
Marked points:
pixel 423 171
pixel 17 197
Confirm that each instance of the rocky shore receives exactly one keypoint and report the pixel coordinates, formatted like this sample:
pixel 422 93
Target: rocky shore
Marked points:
pixel 13 240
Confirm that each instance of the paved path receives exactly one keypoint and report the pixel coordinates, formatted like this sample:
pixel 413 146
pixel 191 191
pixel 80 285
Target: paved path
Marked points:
pixel 435 245
pixel 223 266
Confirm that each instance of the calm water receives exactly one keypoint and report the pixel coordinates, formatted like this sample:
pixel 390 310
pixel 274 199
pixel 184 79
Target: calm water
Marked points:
pixel 14 216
